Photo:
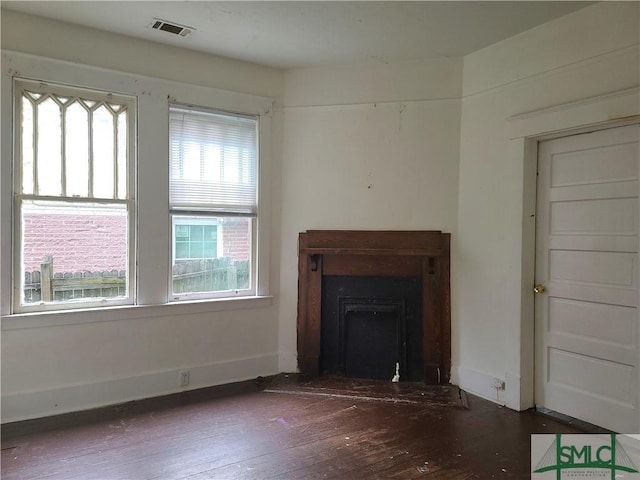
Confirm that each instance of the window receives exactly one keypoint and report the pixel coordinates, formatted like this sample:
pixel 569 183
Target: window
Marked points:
pixel 196 242
pixel 88 175
pixel 213 202
pixel 73 197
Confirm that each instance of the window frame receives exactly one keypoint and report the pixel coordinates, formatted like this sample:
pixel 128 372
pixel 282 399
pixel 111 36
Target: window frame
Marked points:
pixel 20 84
pixel 255 251
pixel 152 228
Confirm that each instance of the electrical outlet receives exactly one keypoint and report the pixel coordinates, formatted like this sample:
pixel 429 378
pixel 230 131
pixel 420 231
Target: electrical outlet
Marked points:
pixel 498 384
pixel 183 377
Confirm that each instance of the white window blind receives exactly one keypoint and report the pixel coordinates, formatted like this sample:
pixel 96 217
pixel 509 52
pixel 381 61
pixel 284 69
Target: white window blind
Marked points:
pixel 213 159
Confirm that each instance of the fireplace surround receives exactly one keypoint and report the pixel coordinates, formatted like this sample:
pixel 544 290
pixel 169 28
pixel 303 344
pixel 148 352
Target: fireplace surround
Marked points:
pixel 358 253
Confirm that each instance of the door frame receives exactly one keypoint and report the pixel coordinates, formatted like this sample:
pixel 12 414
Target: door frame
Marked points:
pixel 524 132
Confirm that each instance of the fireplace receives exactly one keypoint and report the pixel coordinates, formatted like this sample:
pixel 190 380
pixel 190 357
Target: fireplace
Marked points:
pixel 370 299
pixel 369 324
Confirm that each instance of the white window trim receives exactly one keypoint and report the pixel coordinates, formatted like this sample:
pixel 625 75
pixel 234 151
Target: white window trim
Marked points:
pixel 19 84
pixel 153 228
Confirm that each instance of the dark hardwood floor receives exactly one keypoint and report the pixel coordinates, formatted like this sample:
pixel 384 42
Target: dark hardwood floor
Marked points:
pixel 242 432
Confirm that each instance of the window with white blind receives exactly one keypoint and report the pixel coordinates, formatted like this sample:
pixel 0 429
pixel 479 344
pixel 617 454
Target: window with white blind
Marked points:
pixel 213 202
pixel 73 197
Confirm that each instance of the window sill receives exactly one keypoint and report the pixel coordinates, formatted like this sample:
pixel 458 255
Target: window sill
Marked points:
pixel 22 321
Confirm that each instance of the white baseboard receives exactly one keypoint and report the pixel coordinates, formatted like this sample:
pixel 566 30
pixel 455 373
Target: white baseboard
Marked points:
pixel 478 383
pixel 28 405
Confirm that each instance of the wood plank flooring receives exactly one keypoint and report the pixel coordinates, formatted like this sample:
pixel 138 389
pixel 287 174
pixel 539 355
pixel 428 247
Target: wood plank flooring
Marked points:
pixel 242 432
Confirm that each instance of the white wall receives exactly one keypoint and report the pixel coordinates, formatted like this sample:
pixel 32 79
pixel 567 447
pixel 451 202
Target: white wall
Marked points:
pixel 61 362
pixel 365 148
pixel 589 53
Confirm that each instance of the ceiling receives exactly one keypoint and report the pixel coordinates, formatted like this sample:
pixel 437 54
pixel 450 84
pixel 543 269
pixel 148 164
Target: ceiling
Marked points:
pixel 309 34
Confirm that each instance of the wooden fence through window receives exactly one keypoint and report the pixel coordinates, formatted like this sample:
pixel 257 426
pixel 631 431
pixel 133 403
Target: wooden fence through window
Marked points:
pixel 216 274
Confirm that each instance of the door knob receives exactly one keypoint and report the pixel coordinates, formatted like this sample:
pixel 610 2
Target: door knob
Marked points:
pixel 539 288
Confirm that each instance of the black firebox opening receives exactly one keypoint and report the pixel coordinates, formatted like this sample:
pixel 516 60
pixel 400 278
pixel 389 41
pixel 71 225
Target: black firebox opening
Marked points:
pixel 370 324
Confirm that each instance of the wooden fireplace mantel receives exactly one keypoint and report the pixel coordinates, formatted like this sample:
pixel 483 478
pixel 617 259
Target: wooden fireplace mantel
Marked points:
pixel 377 253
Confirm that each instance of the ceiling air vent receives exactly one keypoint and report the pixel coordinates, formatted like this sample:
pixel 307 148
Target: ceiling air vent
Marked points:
pixel 171 27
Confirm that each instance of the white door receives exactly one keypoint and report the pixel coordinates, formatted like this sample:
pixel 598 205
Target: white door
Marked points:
pixel 587 331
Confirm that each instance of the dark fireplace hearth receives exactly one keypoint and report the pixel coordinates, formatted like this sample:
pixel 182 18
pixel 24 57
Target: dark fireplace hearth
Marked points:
pixel 369 300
